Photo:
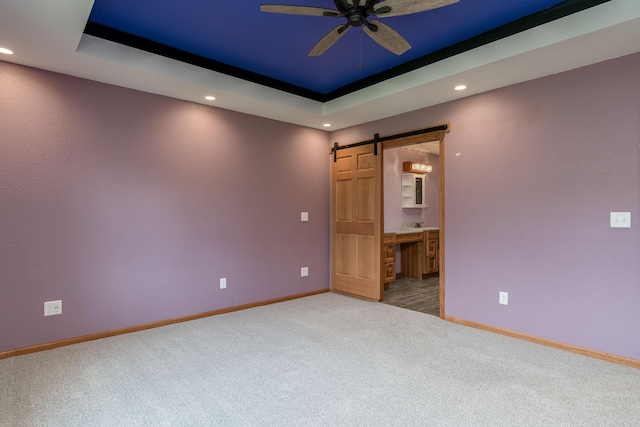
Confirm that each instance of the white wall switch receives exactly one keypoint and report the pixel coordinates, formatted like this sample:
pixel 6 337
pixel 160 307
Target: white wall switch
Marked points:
pixel 304 271
pixel 223 283
pixel 51 308
pixel 504 298
pixel 620 219
pixel 304 216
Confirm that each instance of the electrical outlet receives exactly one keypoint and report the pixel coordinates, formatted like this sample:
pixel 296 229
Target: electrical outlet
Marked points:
pixel 51 308
pixel 620 219
pixel 304 271
pixel 504 298
pixel 223 283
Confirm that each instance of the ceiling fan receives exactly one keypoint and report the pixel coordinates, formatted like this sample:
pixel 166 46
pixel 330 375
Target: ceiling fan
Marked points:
pixel 356 12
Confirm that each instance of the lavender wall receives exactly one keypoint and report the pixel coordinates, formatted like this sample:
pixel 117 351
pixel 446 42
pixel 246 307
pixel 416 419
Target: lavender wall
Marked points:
pixel 129 207
pixel 531 174
pixel 394 214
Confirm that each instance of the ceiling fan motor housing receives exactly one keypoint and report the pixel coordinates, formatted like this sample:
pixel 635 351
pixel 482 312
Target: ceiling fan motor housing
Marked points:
pixel 356 19
pixel 355 13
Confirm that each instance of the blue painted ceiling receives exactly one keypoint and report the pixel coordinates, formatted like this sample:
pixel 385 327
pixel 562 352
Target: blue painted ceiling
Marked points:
pixel 235 37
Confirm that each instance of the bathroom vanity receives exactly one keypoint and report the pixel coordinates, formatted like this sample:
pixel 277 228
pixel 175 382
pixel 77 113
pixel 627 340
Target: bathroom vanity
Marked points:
pixel 419 252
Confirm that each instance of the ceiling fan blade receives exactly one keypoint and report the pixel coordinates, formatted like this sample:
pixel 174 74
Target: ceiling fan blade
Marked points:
pixel 388 38
pixel 298 10
pixel 407 7
pixel 327 41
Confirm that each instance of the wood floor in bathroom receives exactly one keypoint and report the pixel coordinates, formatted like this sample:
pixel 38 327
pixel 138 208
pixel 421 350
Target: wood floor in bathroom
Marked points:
pixel 414 294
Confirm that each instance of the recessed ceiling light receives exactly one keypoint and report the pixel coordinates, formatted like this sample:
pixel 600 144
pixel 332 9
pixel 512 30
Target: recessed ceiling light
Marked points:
pixel 6 51
pixel 210 98
pixel 460 87
pixel 327 125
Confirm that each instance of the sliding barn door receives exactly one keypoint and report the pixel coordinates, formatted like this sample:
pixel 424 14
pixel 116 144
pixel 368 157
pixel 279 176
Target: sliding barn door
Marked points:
pixel 356 223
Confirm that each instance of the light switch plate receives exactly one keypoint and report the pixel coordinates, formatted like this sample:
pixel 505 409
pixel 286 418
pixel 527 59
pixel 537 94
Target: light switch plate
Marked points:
pixel 304 216
pixel 620 219
pixel 304 271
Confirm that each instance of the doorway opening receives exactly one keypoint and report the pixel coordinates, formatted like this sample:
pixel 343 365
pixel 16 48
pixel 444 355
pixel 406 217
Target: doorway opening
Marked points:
pixel 416 229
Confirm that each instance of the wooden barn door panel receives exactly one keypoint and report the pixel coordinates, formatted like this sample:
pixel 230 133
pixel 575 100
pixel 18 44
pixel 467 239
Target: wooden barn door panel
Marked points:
pixel 356 222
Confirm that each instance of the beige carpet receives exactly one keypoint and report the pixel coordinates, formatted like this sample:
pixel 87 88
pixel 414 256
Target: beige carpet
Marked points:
pixel 325 360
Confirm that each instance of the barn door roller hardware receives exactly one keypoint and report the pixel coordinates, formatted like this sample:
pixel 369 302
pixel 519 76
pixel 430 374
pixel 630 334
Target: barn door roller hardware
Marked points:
pixel 376 139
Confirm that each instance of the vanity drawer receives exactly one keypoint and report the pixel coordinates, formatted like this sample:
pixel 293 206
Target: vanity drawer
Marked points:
pixel 409 237
pixel 390 272
pixel 389 253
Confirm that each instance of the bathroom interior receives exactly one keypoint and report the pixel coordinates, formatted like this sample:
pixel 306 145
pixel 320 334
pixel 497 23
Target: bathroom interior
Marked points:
pixel 411 226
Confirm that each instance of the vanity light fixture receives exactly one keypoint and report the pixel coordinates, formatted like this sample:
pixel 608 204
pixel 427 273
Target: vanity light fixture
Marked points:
pixel 416 167
pixel 460 87
pixel 6 51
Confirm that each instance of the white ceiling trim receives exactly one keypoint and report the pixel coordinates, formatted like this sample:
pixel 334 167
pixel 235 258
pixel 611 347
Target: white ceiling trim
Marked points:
pixel 48 35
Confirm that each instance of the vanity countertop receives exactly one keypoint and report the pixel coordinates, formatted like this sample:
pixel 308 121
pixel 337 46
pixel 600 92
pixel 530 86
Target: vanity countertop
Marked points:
pixel 411 230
